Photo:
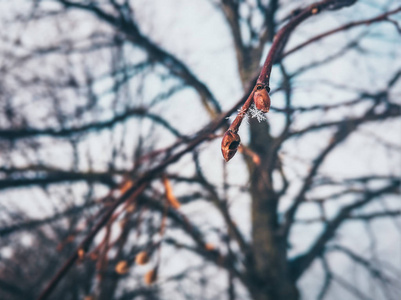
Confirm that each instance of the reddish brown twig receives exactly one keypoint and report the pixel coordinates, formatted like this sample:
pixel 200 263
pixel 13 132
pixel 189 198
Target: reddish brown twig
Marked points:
pixel 231 139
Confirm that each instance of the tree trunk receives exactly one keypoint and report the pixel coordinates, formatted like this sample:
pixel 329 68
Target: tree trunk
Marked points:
pixel 271 277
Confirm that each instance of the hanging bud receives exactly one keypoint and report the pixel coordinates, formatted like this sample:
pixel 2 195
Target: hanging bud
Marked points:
pixel 261 99
pixel 229 144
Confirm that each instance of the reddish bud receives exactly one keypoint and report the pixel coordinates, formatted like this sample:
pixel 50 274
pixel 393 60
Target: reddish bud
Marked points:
pixel 261 99
pixel 229 144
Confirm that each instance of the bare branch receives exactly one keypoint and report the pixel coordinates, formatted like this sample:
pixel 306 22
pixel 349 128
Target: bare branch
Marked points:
pixel 367 22
pixel 302 262
pixel 12 134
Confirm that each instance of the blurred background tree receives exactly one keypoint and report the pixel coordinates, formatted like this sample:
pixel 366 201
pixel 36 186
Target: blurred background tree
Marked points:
pixel 110 129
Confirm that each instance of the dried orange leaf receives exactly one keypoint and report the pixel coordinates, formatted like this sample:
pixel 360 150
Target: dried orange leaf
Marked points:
pixel 209 247
pixel 126 186
pixel 256 159
pixel 172 200
pixel 81 253
pixel 122 267
pixel 151 276
pixel 130 208
pixel 141 258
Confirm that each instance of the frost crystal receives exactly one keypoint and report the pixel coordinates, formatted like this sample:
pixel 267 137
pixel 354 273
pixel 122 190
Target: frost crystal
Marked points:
pixel 256 113
pixel 253 112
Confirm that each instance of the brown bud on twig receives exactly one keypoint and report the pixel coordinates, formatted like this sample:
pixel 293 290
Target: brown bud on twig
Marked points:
pixel 261 99
pixel 229 144
pixel 141 258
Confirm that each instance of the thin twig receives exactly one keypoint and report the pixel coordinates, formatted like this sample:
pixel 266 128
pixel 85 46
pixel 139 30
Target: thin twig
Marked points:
pixel 231 139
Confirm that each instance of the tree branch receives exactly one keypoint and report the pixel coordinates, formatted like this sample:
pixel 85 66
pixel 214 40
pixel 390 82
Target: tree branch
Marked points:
pixel 302 262
pixel 12 134
pixel 136 188
pixel 32 224
pixel 368 22
pixel 125 24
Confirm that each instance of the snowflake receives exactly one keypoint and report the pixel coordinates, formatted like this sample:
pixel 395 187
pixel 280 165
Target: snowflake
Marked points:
pixel 253 112
pixel 256 113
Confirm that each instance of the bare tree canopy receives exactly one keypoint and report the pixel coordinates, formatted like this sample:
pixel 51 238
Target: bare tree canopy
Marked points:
pixel 200 149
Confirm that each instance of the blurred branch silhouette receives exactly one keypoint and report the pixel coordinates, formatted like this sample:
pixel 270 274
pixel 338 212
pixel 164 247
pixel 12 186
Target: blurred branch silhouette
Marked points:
pixel 111 182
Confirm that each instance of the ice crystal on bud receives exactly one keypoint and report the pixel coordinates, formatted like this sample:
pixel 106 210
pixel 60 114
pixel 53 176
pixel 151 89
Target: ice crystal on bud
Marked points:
pixel 253 112
pixel 256 113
